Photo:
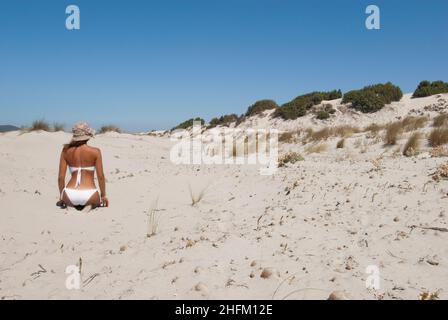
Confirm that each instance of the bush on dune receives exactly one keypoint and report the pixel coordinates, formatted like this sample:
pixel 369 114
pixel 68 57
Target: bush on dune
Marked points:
pixel 225 120
pixel 299 106
pixel 322 115
pixel 189 123
pixel 426 89
pixel 373 98
pixel 260 106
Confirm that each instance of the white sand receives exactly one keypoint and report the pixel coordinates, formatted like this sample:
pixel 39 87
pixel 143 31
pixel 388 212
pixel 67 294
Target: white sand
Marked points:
pixel 339 216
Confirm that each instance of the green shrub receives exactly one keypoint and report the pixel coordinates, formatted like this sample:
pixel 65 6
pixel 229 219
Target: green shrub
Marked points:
pixel 301 104
pixel 329 108
pixel 322 115
pixel 426 88
pixel 225 120
pixel 373 98
pixel 189 123
pixel 260 106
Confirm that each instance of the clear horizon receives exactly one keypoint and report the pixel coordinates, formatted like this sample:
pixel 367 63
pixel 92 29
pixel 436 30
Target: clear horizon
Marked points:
pixel 144 65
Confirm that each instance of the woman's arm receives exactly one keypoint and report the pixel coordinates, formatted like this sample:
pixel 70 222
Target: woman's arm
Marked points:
pixel 62 171
pixel 101 178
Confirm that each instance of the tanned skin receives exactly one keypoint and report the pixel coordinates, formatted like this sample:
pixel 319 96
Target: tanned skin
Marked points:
pixel 82 155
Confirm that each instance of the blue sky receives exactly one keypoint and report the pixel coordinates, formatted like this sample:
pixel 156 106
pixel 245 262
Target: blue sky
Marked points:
pixel 152 64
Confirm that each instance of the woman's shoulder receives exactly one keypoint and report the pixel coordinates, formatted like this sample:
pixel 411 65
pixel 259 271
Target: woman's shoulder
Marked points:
pixel 94 149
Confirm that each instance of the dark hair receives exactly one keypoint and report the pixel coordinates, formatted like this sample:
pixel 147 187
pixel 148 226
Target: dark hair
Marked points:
pixel 74 144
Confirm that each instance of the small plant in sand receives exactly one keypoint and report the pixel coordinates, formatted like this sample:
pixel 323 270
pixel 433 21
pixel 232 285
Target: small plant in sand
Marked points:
pixel 429 296
pixel 340 144
pixel 290 157
pixel 40 125
pixel 393 131
pixel 438 137
pixel 441 172
pixel 109 128
pixel 439 151
pixel 153 220
pixel 412 146
pixel 317 148
pixel 196 197
pixel 440 120
pixel 377 163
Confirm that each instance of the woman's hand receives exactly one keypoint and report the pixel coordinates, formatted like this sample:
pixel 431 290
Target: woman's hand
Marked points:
pixel 104 201
pixel 61 204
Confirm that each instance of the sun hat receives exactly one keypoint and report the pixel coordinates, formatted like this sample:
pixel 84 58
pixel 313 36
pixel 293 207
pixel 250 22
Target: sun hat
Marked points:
pixel 82 131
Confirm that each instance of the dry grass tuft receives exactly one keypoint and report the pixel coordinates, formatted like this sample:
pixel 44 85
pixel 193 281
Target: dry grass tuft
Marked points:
pixel 440 120
pixel 153 220
pixel 325 133
pixel 438 137
pixel 340 144
pixel 414 123
pixel 109 128
pixel 322 134
pixel 196 198
pixel 317 148
pixel 288 136
pixel 345 131
pixel 39 125
pixel 412 146
pixel 374 129
pixel 290 157
pixel 393 131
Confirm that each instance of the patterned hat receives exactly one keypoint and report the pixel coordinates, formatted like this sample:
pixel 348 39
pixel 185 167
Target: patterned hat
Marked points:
pixel 82 131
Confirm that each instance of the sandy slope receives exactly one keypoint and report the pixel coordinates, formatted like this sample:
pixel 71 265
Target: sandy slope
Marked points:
pixel 318 223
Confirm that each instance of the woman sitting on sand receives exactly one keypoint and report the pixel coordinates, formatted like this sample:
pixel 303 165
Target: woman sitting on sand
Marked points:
pixel 83 161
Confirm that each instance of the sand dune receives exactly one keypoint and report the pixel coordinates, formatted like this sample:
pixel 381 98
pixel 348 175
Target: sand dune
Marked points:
pixel 310 229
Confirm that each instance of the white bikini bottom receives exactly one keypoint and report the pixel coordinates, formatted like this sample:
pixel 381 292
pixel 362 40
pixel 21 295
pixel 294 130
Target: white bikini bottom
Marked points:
pixel 79 197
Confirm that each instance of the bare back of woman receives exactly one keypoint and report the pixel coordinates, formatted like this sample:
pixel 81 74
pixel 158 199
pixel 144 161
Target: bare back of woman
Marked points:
pixel 82 161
